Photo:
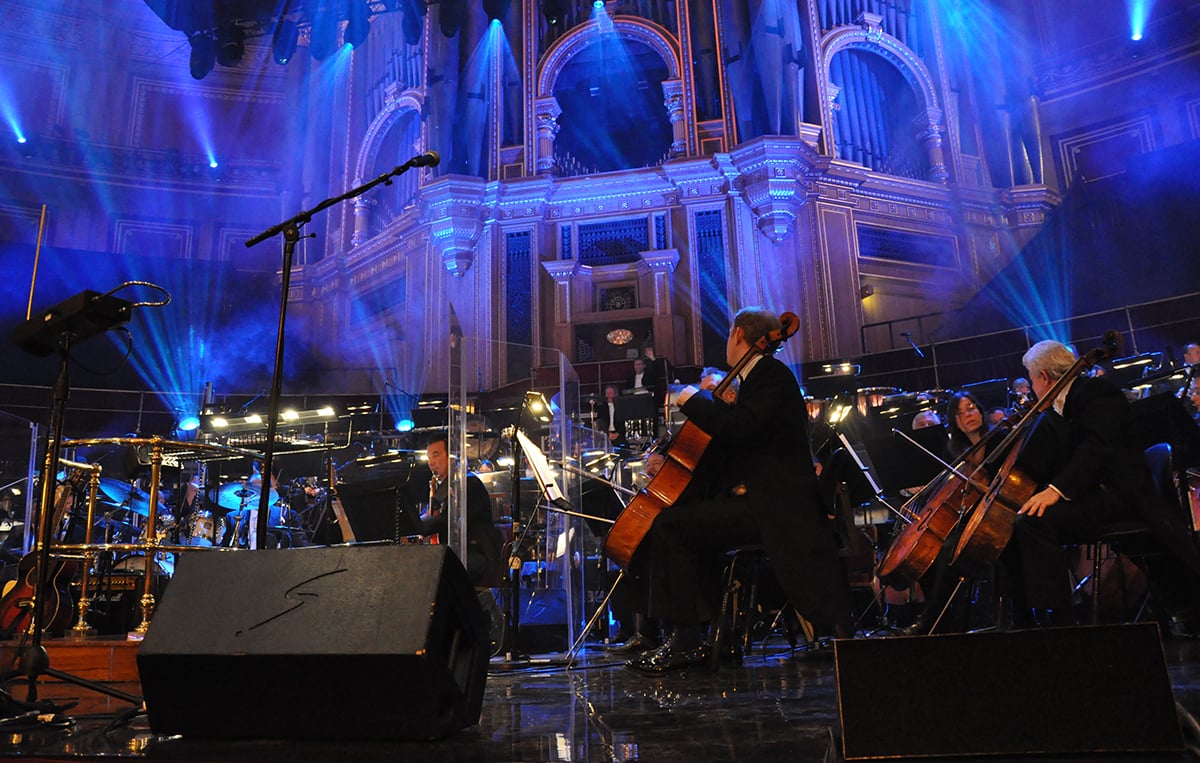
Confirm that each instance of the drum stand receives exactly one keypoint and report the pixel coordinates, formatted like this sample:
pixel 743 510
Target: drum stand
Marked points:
pixel 34 660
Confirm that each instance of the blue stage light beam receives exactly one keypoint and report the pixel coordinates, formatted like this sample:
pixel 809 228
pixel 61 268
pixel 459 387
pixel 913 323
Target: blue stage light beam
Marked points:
pixel 1139 14
pixel 8 111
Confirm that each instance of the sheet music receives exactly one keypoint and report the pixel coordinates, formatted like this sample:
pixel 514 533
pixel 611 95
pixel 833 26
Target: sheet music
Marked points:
pixel 541 471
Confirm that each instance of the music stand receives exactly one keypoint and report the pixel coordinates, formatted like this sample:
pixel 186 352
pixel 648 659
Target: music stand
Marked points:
pixel 992 393
pixel 380 510
pixel 899 465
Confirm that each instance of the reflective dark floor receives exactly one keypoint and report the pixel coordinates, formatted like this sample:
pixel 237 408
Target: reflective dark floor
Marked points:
pixel 778 705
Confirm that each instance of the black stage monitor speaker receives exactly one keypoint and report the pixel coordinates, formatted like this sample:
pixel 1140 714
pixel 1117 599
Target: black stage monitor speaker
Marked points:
pixel 352 642
pixel 1055 690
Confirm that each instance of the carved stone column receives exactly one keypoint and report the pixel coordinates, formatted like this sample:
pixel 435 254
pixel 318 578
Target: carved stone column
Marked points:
pixel 929 133
pixel 673 100
pixel 668 327
pixel 563 272
pixel 362 218
pixel 453 207
pixel 546 114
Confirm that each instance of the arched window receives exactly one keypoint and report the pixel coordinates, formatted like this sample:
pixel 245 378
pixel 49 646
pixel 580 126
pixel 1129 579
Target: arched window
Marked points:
pixel 876 122
pixel 613 112
pixel 397 145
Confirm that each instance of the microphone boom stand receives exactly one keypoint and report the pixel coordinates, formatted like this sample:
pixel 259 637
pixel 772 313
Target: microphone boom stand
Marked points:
pixel 290 229
pixel 35 660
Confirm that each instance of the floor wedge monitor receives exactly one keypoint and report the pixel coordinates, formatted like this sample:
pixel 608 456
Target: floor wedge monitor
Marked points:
pixel 347 642
pixel 1053 690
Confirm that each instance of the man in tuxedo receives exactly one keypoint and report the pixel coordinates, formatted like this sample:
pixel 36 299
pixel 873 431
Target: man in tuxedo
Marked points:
pixel 609 419
pixel 483 554
pixel 643 381
pixel 763 490
pixel 1089 474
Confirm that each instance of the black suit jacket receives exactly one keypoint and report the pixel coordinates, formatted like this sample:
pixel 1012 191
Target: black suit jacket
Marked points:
pixel 763 442
pixel 483 562
pixel 602 420
pixel 1090 448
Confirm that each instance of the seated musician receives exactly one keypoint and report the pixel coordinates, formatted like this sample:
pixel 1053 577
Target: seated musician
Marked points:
pixel 967 426
pixel 484 563
pixel 629 598
pixel 643 380
pixel 764 492
pixel 1090 474
pixel 609 418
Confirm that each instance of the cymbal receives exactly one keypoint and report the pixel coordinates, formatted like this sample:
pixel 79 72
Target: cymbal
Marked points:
pixel 126 496
pixel 238 495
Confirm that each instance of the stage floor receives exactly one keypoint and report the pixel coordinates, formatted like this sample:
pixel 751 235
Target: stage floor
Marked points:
pixel 778 705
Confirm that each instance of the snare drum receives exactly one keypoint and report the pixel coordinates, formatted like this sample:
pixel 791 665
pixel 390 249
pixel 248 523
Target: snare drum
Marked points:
pixel 135 564
pixel 200 529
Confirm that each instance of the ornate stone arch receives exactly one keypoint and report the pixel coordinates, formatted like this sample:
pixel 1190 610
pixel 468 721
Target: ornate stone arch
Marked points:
pixel 546 109
pixel 868 35
pixel 392 112
pixel 569 45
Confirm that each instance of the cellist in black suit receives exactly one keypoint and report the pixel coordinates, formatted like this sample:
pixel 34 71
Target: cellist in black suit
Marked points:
pixel 763 491
pixel 1090 474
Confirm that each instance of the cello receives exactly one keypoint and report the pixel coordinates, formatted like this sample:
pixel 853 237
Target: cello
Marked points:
pixel 932 513
pixel 990 526
pixel 682 457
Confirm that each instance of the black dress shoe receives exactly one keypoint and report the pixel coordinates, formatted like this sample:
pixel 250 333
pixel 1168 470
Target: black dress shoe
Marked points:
pixel 668 657
pixel 919 627
pixel 634 644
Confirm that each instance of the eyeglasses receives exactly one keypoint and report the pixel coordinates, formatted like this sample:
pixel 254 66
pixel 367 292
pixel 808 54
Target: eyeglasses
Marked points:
pixel 968 410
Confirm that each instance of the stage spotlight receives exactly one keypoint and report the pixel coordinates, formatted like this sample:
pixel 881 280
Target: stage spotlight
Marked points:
pixel 358 23
pixel 554 11
pixel 283 44
pixel 450 15
pixel 496 10
pixel 231 45
pixel 188 424
pixel 324 34
pixel 204 55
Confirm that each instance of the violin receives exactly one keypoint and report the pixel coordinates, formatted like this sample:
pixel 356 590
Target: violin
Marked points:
pixel 990 526
pixel 682 457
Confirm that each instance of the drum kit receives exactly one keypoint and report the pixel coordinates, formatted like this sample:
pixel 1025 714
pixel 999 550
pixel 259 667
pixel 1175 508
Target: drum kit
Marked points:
pixel 137 526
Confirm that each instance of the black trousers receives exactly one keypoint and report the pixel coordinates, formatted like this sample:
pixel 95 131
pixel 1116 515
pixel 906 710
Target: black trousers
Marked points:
pixel 687 545
pixel 1036 558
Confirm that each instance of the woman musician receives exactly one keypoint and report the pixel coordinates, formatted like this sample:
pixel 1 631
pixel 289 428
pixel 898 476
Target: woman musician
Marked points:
pixel 1087 474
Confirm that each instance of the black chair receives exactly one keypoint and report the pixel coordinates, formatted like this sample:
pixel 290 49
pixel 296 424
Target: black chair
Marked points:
pixel 1131 538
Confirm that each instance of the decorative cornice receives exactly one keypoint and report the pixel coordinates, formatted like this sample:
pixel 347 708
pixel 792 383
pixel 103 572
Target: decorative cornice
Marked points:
pixel 1028 205
pixel 776 176
pixel 454 209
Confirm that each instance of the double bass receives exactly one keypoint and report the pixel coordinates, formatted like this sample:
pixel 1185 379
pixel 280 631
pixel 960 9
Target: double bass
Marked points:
pixel 682 457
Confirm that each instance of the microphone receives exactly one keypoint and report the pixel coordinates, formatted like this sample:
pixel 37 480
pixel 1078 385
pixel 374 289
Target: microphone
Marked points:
pixel 908 335
pixel 427 159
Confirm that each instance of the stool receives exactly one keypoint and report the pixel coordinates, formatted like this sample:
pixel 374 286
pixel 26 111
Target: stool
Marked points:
pixel 738 603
